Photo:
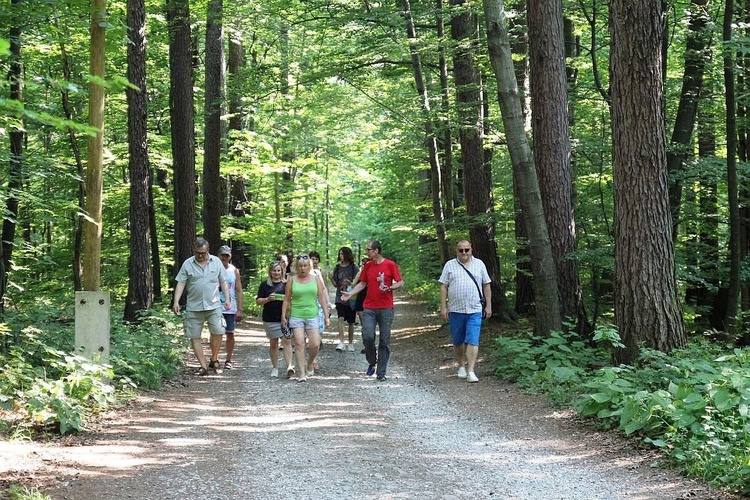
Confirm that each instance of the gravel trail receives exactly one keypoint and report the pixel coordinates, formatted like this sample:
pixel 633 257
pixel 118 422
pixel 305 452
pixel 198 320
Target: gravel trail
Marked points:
pixel 342 435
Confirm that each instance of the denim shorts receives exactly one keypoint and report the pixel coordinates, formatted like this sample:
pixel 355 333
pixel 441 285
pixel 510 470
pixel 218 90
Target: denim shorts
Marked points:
pixel 465 328
pixel 230 321
pixel 307 324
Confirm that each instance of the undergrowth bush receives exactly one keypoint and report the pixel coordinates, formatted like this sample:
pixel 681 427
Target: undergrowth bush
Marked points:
pixel 694 404
pixel 45 386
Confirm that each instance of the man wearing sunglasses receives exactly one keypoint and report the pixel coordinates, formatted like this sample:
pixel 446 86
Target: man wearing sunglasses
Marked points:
pixel 465 298
pixel 381 276
pixel 202 275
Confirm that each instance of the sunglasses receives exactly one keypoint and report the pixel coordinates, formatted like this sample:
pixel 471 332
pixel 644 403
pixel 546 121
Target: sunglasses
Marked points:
pixel 464 250
pixel 303 257
pixel 368 249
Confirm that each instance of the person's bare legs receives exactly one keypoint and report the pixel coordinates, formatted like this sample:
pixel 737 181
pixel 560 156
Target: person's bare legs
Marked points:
pixel 299 352
pixel 313 340
pixel 215 342
pixel 351 333
pixel 472 351
pixel 229 347
pixel 198 350
pixel 287 343
pixel 460 353
pixel 273 352
pixel 341 330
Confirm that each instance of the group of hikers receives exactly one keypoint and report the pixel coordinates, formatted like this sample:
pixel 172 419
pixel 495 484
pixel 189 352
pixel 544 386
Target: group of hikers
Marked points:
pixel 296 310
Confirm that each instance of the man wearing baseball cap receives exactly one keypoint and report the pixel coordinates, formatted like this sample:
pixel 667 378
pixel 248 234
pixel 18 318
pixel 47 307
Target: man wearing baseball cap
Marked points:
pixel 234 313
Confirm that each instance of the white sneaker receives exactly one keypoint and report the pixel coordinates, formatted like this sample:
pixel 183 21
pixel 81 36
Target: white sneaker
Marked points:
pixel 461 372
pixel 471 377
pixel 341 347
pixel 274 373
pixel 350 348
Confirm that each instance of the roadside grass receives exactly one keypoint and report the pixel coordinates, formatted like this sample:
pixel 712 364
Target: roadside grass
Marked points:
pixel 44 387
pixel 693 404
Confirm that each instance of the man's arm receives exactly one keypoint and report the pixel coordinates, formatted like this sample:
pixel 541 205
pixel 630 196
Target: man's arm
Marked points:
pixel 444 301
pixel 487 288
pixel 178 289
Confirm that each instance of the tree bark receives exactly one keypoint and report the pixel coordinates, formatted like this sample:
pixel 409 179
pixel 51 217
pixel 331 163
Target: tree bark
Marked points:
pixel 431 140
pixel 140 296
pixel 477 185
pixel 647 310
pixel 92 226
pixel 540 249
pixel 212 200
pixel 549 99
pixel 183 134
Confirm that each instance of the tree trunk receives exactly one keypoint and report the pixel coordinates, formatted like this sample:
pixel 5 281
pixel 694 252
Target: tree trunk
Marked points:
pixel 183 134
pixel 140 295
pixel 549 99
pixel 447 175
pixel 431 140
pixel 92 226
pixel 646 306
pixel 75 149
pixel 236 60
pixel 730 319
pixel 542 262
pixel 696 56
pixel 477 187
pixel 212 200
pixel 15 160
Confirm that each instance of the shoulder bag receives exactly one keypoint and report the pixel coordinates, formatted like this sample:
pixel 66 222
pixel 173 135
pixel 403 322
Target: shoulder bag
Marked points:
pixel 482 299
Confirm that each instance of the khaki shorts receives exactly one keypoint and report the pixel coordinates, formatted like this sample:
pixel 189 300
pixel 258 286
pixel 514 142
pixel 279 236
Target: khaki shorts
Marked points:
pixel 194 320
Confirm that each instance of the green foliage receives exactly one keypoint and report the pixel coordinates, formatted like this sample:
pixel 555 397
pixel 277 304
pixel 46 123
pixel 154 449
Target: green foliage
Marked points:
pixel 43 386
pixel 693 404
pixel 16 492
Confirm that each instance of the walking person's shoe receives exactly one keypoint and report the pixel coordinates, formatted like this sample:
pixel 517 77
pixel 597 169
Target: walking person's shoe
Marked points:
pixel 341 347
pixel 274 372
pixel 228 365
pixel 461 372
pixel 471 377
pixel 382 377
pixel 289 372
pixel 214 365
pixel 370 370
pixel 350 348
pixel 202 372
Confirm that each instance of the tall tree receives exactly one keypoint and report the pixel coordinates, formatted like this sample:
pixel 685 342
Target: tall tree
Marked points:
pixel 696 56
pixel 182 120
pixel 212 199
pixel 16 135
pixel 547 318
pixel 477 187
pixel 92 226
pixel 431 140
pixel 730 319
pixel 140 294
pixel 647 309
pixel 549 99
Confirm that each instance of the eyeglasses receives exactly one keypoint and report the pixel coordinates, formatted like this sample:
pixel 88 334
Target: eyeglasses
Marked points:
pixel 221 256
pixel 464 250
pixel 368 249
pixel 202 254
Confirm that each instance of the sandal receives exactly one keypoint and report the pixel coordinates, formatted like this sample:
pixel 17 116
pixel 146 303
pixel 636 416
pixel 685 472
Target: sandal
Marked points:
pixel 203 372
pixel 228 365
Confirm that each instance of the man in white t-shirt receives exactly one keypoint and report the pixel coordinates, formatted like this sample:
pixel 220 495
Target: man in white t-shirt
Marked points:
pixel 461 304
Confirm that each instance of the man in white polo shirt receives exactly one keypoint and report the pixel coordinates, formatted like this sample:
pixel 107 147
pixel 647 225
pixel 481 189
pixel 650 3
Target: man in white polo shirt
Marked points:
pixel 465 298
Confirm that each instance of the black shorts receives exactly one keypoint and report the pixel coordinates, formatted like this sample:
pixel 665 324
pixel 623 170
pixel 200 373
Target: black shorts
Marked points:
pixel 345 311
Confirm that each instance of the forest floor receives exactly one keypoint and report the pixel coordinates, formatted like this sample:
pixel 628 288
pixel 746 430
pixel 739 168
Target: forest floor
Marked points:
pixel 422 433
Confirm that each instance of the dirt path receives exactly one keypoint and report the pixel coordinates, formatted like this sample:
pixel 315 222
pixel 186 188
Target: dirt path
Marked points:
pixel 341 435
